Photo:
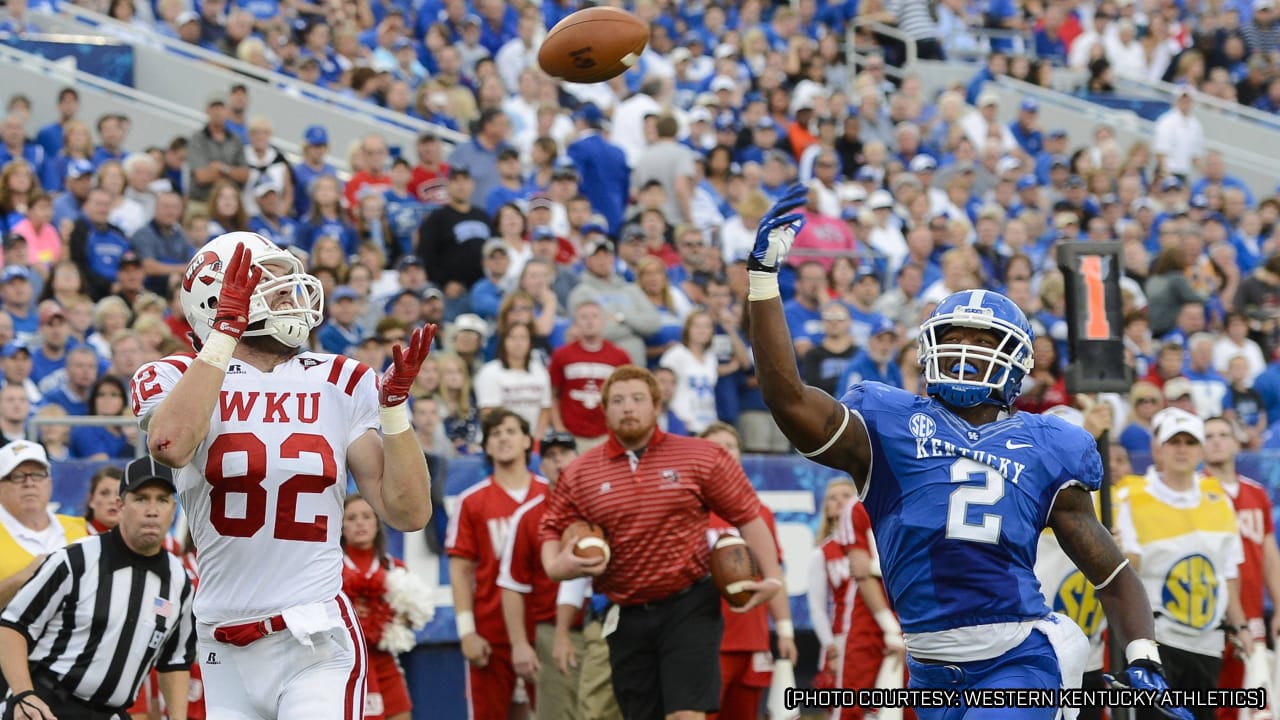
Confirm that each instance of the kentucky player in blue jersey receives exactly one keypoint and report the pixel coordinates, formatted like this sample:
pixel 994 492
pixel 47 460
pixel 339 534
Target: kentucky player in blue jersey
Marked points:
pixel 958 490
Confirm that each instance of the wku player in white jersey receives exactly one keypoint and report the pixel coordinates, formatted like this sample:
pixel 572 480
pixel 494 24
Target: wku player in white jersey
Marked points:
pixel 263 435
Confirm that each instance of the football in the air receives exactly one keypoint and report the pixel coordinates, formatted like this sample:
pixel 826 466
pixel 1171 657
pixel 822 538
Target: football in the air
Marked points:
pixel 591 541
pixel 732 566
pixel 593 45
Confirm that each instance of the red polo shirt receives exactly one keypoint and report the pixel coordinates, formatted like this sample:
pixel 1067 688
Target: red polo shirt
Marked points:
pixel 653 509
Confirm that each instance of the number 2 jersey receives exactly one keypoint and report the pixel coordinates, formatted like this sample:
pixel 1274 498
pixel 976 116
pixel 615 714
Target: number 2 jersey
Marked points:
pixel 264 492
pixel 958 509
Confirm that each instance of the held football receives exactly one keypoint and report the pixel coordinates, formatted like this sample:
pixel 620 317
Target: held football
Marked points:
pixel 733 565
pixel 591 541
pixel 593 45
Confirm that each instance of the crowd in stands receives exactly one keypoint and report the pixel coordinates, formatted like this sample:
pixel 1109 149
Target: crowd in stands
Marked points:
pixel 582 221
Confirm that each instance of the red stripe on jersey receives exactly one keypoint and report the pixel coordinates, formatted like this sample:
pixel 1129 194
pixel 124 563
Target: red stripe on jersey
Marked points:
pixel 354 697
pixel 356 375
pixel 655 517
pixel 182 368
pixel 336 370
pixel 189 355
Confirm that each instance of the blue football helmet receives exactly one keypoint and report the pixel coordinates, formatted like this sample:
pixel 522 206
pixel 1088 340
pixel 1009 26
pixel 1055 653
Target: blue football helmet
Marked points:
pixel 950 372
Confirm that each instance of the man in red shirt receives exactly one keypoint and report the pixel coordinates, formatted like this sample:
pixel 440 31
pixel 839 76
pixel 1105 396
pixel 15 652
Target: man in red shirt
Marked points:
pixel 377 161
pixel 874 636
pixel 477 535
pixel 746 660
pixel 578 370
pixel 430 174
pixel 529 597
pixel 652 493
pixel 1261 566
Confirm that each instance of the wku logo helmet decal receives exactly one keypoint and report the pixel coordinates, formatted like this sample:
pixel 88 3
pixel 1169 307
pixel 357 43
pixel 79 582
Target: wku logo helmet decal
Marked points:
pixel 197 270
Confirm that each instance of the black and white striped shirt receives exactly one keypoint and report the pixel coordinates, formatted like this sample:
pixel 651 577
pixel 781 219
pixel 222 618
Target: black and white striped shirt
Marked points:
pixel 98 615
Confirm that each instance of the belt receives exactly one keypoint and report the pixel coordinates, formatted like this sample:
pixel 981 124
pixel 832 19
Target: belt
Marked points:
pixel 652 604
pixel 247 633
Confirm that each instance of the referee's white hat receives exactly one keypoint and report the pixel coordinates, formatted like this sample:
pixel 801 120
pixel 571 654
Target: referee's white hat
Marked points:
pixel 18 452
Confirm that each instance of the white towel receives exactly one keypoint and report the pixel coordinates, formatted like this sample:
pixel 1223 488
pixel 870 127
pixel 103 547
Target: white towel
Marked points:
pixel 1072 648
pixel 311 619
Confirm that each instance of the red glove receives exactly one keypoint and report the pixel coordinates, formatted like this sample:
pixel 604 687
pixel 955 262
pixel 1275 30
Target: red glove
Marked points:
pixel 239 280
pixel 405 365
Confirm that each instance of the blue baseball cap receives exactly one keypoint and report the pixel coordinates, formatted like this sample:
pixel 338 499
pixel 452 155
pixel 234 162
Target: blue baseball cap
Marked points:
pixel 1173 182
pixel 343 292
pixel 1029 105
pixel 766 123
pixel 884 325
pixel 1028 181
pixel 1057 133
pixel 594 227
pixel 589 113
pixel 866 173
pixel 865 271
pixel 15 272
pixel 79 168
pixel 1199 201
pixel 12 348
pixel 316 135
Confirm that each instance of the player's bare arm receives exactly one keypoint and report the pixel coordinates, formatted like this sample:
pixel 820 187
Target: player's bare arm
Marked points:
pixel 523 657
pixel 1271 575
pixel 401 498
pixel 817 424
pixel 1092 548
pixel 871 593
pixel 562 647
pixel 1240 636
pixel 13 663
pixel 561 564
pixel 780 611
pixel 462 579
pixel 181 421
pixel 760 541
pixel 174 687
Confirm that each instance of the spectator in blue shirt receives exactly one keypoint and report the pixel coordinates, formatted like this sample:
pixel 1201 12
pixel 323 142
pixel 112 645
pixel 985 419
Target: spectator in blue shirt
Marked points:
pixel 16 292
pixel 602 165
pixel 271 222
pixel 1026 129
pixel 50 353
pixel 341 334
pixel 14 146
pixel 96 245
pixel 50 136
pixel 510 182
pixel 99 442
pixel 113 128
pixel 74 382
pixel 486 294
pixel 877 362
pixel 803 314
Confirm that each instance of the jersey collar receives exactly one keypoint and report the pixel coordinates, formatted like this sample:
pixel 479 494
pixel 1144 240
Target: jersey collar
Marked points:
pixel 614 449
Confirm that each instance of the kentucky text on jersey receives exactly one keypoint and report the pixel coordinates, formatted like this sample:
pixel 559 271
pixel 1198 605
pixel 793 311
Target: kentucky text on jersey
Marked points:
pixel 937 447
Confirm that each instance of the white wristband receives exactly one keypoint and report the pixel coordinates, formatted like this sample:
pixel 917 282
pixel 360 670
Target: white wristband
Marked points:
pixel 395 419
pixel 466 624
pixel 785 629
pixel 762 285
pixel 887 622
pixel 1142 649
pixel 217 350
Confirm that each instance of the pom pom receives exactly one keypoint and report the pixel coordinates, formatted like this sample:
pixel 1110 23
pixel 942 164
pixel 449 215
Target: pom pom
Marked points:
pixel 397 638
pixel 409 597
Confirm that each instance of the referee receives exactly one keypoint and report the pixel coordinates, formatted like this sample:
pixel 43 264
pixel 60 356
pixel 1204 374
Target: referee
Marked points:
pixel 78 639
pixel 652 493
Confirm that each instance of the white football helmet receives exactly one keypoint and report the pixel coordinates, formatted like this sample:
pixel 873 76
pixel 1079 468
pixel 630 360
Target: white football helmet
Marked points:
pixel 202 283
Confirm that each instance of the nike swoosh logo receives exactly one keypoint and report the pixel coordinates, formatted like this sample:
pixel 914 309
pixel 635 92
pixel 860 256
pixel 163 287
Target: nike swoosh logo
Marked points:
pixel 1011 445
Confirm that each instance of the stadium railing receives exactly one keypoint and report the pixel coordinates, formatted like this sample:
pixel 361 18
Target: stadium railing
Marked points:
pixel 188 74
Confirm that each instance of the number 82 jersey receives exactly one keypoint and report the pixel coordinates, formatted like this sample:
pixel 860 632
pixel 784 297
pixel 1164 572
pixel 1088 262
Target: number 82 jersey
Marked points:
pixel 957 510
pixel 264 493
